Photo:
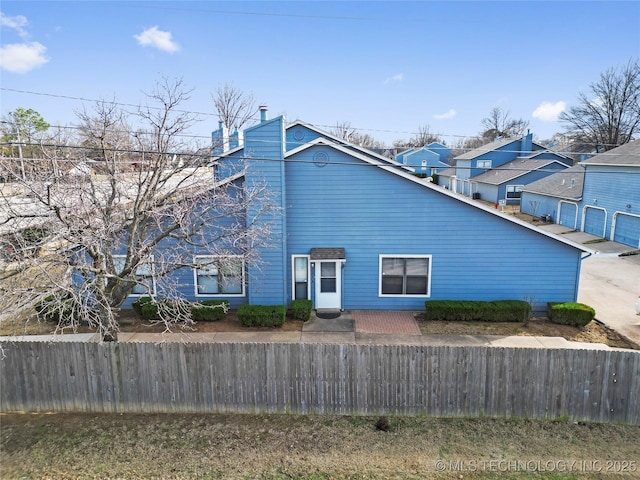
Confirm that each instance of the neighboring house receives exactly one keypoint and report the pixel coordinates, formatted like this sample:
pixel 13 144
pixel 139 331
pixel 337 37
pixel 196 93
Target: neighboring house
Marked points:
pixel 499 170
pixel 556 197
pixel 359 231
pixel 506 183
pixel 600 196
pixel 428 160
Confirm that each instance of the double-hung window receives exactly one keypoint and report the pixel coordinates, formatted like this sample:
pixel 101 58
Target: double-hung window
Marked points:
pixel 514 191
pixel 145 282
pixel 405 275
pixel 483 164
pixel 217 275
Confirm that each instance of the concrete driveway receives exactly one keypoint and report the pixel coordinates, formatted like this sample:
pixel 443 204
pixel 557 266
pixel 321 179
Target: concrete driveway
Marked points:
pixel 609 281
pixel 611 284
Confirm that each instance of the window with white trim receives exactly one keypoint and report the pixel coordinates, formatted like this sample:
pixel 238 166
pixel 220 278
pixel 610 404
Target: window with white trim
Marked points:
pixel 218 275
pixel 514 191
pixel 405 275
pixel 300 276
pixel 483 164
pixel 146 284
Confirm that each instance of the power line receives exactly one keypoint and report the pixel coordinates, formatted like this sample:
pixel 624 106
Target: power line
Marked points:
pixel 284 15
pixel 252 117
pixel 257 118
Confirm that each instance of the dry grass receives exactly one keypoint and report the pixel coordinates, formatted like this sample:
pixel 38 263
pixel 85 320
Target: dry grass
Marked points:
pixel 78 446
pixel 593 332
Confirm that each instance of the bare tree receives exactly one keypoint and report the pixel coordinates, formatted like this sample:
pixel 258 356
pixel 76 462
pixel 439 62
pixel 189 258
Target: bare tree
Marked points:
pixel 421 138
pixel 346 132
pixel 609 115
pixel 98 237
pixel 500 124
pixel 234 107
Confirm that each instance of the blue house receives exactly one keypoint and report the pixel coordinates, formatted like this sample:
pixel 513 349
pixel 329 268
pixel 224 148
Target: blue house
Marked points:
pixel 346 239
pixel 600 196
pixel 499 170
pixel 428 160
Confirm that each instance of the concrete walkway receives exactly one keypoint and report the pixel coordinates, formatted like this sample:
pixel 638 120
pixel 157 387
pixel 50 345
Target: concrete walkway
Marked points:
pixel 348 338
pixel 355 328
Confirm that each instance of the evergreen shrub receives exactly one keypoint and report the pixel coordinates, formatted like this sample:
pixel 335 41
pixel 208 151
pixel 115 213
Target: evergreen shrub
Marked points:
pixel 262 315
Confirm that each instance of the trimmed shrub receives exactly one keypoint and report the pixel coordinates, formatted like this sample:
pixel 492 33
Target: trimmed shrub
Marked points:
pixel 137 304
pixel 57 308
pixel 149 311
pixel 209 310
pixel 570 313
pixel 301 309
pixel 153 310
pixel 476 310
pixel 509 311
pixel 262 315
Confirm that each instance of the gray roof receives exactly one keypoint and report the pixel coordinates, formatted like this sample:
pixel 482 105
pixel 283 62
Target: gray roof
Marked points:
pixel 449 172
pixel 495 145
pixel 560 184
pixel 476 152
pixel 627 154
pixel 511 170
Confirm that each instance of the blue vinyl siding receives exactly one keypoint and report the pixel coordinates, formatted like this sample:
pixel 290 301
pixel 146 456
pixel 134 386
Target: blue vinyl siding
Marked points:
pixel 229 165
pixel 488 193
pixel 444 153
pixel 264 147
pixel 416 158
pixel 400 157
pixel 611 188
pixel 181 281
pixel 538 205
pixel 475 254
pixel 463 169
pixel 299 135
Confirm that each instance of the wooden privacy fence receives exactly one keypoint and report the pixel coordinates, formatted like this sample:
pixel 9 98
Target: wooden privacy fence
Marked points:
pixel 591 385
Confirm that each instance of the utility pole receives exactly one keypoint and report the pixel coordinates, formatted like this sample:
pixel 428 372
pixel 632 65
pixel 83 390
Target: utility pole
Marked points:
pixel 24 176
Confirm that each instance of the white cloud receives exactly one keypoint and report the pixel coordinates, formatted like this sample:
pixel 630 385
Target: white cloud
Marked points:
pixel 152 37
pixel 549 112
pixel 16 23
pixel 443 116
pixel 398 77
pixel 22 57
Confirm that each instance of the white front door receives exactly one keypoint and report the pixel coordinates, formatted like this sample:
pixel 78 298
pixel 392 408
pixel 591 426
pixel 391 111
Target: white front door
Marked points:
pixel 328 284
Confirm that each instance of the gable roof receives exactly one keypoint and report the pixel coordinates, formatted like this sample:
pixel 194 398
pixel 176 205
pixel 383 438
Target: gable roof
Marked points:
pixel 510 170
pixel 342 141
pixel 449 172
pixel 538 153
pixel 624 155
pixel 393 169
pixel 560 184
pixel 495 145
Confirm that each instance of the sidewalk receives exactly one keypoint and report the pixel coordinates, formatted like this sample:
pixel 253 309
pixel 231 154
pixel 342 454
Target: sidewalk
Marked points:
pixel 346 338
pixel 351 328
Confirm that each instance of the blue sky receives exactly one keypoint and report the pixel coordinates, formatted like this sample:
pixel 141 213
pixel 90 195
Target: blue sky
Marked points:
pixel 386 67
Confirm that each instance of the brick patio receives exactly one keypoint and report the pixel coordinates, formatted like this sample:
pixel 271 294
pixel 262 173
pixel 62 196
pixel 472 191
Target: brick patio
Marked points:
pixel 371 321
